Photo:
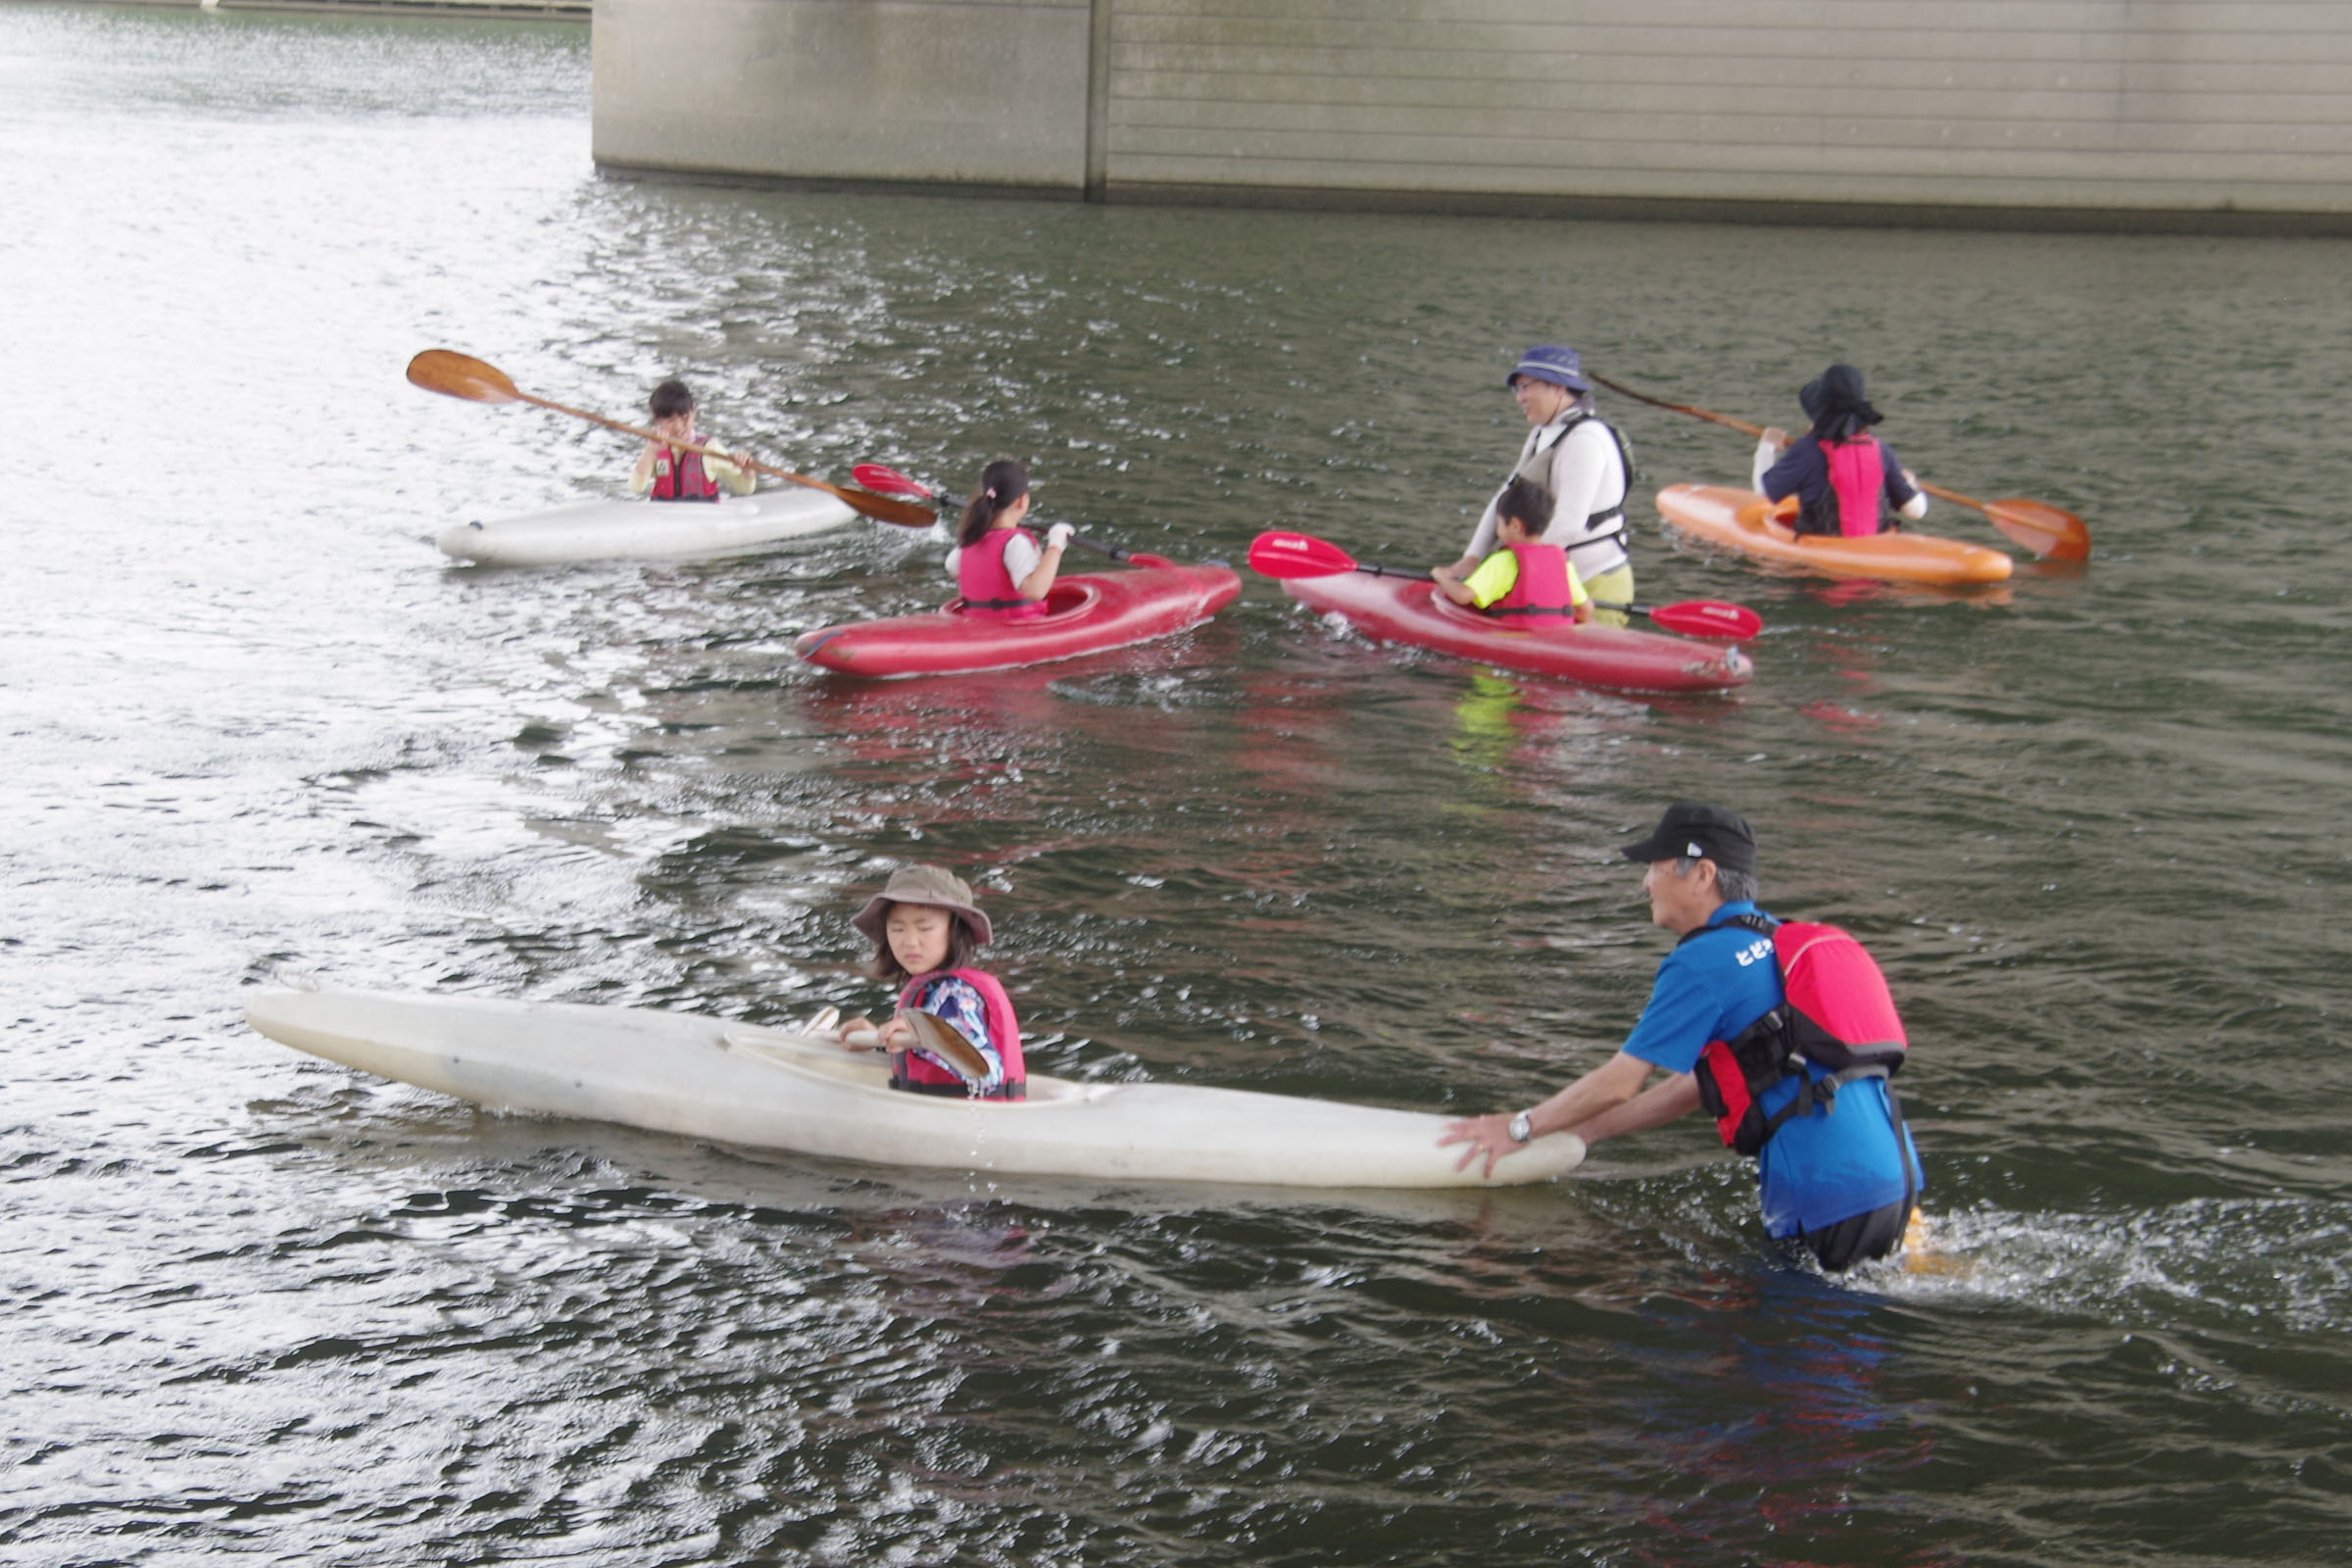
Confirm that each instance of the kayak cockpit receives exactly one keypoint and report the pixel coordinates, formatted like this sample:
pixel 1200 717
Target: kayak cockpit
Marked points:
pixel 816 1056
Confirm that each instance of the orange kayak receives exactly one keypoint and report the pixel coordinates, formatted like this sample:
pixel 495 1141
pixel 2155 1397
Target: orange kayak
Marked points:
pixel 1741 521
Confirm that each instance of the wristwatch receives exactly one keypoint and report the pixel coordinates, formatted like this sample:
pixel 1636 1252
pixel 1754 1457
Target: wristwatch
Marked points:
pixel 1521 1128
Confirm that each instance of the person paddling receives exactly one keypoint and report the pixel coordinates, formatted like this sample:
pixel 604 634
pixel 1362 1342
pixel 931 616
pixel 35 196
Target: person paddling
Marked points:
pixel 1526 577
pixel 1837 1170
pixel 925 927
pixel 999 567
pixel 1582 464
pixel 1838 470
pixel 664 473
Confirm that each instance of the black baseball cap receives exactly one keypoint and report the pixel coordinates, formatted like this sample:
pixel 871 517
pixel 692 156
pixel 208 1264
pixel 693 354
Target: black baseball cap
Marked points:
pixel 1698 830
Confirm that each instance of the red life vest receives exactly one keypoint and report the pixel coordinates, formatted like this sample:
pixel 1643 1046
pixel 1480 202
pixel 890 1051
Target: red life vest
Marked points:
pixel 927 1077
pixel 983 582
pixel 1542 586
pixel 1838 1017
pixel 1857 476
pixel 679 476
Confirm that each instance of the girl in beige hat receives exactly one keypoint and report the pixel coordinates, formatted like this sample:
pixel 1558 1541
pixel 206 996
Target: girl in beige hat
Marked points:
pixel 925 927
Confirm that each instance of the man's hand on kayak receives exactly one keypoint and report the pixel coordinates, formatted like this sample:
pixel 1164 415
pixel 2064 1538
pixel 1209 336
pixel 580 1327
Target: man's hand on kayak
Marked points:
pixel 1488 1135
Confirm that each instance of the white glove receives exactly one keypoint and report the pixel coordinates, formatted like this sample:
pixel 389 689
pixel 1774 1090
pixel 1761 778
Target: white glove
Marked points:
pixel 1057 537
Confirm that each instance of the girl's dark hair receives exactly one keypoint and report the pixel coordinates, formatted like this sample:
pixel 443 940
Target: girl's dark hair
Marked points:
pixel 1002 483
pixel 1527 501
pixel 961 948
pixel 672 399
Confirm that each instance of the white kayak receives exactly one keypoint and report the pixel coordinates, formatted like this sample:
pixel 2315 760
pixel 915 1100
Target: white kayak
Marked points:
pixel 774 1089
pixel 647 530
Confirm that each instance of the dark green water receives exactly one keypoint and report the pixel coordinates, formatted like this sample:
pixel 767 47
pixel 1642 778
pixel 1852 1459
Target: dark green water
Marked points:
pixel 255 726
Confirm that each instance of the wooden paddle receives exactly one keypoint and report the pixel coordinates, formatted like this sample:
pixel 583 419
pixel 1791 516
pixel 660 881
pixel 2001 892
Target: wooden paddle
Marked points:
pixel 2048 531
pixel 875 477
pixel 1280 555
pixel 936 1035
pixel 460 375
pixel 946 1042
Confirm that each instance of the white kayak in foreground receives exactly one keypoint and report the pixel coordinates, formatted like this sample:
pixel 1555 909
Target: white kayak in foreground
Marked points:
pixel 647 530
pixel 772 1089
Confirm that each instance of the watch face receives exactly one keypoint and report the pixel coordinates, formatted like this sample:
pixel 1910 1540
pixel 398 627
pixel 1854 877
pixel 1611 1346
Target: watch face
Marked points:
pixel 1520 1128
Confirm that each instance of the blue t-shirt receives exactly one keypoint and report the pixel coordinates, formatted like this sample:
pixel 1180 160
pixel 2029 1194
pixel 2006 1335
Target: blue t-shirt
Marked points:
pixel 1818 1168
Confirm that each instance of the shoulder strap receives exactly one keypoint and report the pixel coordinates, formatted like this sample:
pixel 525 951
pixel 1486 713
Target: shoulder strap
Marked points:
pixel 1761 924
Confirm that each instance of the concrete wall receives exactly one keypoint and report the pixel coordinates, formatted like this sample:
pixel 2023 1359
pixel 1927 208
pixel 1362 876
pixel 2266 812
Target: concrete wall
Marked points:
pixel 2163 112
pixel 927 92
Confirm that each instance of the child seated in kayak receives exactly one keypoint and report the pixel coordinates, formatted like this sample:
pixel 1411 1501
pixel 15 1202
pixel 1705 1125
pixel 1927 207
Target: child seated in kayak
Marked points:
pixel 925 926
pixel 665 474
pixel 998 566
pixel 1837 473
pixel 1526 576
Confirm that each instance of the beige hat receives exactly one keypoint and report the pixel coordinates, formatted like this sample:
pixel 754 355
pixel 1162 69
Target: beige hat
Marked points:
pixel 923 884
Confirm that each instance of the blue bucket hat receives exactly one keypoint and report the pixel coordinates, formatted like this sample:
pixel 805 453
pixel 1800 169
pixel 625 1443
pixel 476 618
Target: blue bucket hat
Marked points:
pixel 1548 362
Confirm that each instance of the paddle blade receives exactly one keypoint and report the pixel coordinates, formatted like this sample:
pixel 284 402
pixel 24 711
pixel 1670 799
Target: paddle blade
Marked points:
pixel 891 482
pixel 1709 617
pixel 1274 553
pixel 946 1042
pixel 462 376
pixel 882 509
pixel 2048 531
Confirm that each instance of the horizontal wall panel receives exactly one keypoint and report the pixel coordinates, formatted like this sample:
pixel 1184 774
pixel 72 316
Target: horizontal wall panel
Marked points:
pixel 988 92
pixel 1998 102
pixel 2190 106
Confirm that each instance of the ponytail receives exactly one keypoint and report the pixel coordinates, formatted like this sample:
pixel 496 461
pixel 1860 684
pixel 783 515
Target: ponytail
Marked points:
pixel 1002 483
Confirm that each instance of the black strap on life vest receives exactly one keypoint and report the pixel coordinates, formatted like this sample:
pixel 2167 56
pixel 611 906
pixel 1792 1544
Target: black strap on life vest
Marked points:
pixel 1532 609
pixel 1811 1093
pixel 1625 456
pixel 1019 1090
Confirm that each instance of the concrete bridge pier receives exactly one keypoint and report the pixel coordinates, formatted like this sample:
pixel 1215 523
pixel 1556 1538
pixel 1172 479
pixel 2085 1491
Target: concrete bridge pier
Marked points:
pixel 2066 113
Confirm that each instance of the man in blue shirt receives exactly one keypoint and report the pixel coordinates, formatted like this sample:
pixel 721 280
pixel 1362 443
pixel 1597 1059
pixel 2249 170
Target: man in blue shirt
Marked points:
pixel 1842 1177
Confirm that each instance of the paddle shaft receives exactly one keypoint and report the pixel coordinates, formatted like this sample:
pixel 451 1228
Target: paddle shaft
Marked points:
pixel 847 498
pixel 462 376
pixel 2040 527
pixel 941 499
pixel 1757 430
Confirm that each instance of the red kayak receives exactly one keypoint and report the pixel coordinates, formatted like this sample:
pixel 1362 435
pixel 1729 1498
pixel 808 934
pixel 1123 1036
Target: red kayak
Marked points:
pixel 1409 609
pixel 1084 614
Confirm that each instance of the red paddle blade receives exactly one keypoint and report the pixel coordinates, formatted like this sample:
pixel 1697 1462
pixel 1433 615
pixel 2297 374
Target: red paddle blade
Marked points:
pixel 1709 617
pixel 1274 553
pixel 889 481
pixel 2051 532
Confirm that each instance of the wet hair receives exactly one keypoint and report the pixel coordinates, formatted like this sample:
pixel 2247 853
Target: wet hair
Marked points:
pixel 961 948
pixel 1002 483
pixel 1732 886
pixel 1527 501
pixel 672 399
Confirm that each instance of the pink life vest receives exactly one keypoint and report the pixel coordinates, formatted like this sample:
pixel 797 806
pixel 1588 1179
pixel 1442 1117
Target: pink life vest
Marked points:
pixel 927 1077
pixel 1857 476
pixel 983 582
pixel 1542 586
pixel 1838 1017
pixel 679 476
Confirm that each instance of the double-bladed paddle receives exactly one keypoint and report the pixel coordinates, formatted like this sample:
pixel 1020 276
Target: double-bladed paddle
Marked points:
pixel 1275 554
pixel 460 375
pixel 2048 531
pixel 875 476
